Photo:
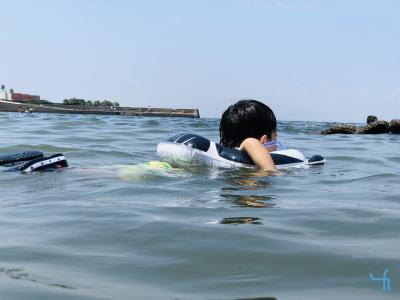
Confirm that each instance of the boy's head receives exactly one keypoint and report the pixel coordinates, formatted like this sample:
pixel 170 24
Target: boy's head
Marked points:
pixel 245 119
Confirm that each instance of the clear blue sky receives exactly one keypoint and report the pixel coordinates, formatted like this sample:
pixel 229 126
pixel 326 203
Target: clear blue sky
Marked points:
pixel 308 60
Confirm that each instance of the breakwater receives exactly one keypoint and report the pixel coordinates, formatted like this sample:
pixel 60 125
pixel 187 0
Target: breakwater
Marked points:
pixel 125 111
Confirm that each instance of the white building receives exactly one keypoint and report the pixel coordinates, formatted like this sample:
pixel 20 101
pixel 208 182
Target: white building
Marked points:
pixel 4 95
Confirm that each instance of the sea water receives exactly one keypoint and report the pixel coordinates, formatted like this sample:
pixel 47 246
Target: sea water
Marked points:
pixel 92 231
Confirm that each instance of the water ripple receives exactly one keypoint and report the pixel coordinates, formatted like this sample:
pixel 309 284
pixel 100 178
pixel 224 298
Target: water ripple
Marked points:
pixel 120 228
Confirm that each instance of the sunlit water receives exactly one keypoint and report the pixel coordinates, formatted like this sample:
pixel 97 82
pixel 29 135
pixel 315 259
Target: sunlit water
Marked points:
pixel 94 232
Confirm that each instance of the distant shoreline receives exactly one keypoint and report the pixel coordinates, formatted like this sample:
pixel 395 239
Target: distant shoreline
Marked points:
pixel 10 106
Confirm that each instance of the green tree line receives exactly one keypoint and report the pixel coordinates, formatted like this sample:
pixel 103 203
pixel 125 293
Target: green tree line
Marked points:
pixel 38 102
pixel 83 102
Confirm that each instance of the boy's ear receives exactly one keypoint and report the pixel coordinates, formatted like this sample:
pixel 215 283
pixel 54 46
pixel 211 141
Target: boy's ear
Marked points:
pixel 264 139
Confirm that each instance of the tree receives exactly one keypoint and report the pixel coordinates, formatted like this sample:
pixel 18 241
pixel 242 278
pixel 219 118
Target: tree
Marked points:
pixel 107 103
pixel 89 103
pixel 38 102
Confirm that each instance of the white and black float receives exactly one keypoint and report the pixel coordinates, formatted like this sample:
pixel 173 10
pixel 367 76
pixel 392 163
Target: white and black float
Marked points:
pixel 31 161
pixel 187 149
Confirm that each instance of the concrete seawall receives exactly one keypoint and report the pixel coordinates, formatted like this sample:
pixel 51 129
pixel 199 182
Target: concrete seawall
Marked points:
pixel 124 111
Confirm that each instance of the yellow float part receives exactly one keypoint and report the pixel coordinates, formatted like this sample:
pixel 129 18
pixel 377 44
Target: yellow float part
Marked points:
pixel 159 164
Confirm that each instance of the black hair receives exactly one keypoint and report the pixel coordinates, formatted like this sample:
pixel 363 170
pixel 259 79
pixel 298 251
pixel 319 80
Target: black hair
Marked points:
pixel 245 119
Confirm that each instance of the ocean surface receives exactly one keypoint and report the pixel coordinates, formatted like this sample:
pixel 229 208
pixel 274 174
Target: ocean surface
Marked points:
pixel 92 231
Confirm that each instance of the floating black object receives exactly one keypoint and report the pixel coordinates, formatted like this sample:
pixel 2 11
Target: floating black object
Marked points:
pixel 316 160
pixel 15 159
pixel 30 161
pixel 55 161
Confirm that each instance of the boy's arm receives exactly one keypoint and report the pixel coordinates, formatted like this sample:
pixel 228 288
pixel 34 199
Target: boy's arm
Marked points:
pixel 258 154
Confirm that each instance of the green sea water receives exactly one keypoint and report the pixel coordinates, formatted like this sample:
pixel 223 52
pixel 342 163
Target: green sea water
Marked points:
pixel 109 227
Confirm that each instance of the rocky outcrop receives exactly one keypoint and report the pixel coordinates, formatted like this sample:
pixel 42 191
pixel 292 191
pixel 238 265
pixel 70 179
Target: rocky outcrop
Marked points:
pixel 394 126
pixel 374 126
pixel 340 129
pixel 371 119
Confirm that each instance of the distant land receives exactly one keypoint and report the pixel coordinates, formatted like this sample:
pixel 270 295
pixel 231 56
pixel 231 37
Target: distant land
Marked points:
pixel 12 106
pixel 11 101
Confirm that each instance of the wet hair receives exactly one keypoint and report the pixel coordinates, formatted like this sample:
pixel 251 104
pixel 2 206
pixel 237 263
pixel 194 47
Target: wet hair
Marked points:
pixel 245 119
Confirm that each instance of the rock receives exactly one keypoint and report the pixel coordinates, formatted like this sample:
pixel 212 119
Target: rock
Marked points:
pixel 343 129
pixel 394 126
pixel 371 119
pixel 374 128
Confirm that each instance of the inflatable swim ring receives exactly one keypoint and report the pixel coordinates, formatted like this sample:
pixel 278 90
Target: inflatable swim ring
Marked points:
pixel 186 149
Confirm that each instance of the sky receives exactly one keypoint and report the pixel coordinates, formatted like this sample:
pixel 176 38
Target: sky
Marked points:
pixel 308 60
